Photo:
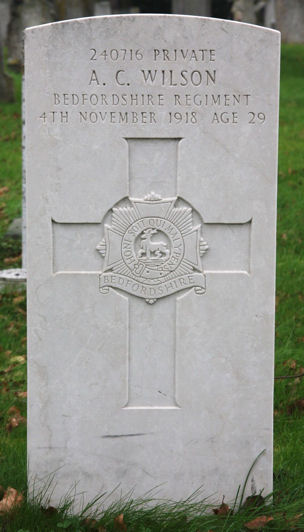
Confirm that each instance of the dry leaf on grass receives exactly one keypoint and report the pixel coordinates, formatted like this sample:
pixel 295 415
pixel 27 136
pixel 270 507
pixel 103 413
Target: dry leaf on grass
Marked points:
pixel 3 190
pixel 290 363
pixel 254 501
pixel 21 395
pixel 16 418
pixel 7 370
pixel 222 510
pixel 20 359
pixel 298 405
pixel 18 299
pixel 49 511
pixel 90 524
pixel 12 260
pixel 119 522
pixel 11 499
pixel 258 523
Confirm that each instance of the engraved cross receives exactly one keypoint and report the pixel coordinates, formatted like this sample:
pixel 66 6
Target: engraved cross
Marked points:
pixel 151 249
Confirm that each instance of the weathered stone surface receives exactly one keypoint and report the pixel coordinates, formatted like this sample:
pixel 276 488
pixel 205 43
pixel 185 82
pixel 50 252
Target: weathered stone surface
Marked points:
pixel 14 278
pixel 151 187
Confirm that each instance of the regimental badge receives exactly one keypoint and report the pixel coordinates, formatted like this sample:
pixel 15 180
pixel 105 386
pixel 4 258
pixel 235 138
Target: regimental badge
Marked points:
pixel 152 248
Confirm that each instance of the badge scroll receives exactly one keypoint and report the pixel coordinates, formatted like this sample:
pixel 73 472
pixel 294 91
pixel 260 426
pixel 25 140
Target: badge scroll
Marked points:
pixel 152 249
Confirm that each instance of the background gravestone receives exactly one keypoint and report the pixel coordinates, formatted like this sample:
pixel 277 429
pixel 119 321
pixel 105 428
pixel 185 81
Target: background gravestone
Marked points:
pixel 68 9
pixel 102 8
pixel 198 7
pixel 151 147
pixel 25 13
pixel 6 82
pixel 290 20
pixel 4 17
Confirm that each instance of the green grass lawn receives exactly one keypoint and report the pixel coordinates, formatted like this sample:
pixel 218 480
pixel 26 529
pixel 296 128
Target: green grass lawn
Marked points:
pixel 287 505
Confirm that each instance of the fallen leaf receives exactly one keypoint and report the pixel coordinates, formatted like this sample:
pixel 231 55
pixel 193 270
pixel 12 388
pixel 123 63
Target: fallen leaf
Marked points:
pixel 10 500
pixel 254 501
pixel 12 260
pixel 284 236
pixel 3 190
pixel 15 420
pixel 258 523
pixel 14 410
pixel 7 370
pixel 119 522
pixel 19 358
pixel 222 510
pixel 18 299
pixel 22 395
pixel 290 363
pixel 298 404
pixel 49 511
pixel 89 523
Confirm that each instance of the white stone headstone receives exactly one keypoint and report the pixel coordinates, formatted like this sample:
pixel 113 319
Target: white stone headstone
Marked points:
pixel 151 185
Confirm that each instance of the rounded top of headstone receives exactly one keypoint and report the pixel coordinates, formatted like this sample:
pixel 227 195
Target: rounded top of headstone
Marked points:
pixel 154 18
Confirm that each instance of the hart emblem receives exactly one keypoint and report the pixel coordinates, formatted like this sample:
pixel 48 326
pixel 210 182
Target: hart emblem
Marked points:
pixel 152 248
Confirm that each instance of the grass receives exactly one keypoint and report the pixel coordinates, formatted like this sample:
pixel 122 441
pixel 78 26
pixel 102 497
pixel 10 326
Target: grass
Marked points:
pixel 287 505
pixel 10 175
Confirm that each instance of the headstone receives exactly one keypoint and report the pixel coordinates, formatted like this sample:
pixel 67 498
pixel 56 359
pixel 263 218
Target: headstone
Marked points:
pixel 290 20
pixel 14 229
pixel 68 9
pixel 6 82
pixel 25 13
pixel 151 188
pixel 192 7
pixel 102 8
pixel 270 14
pixel 4 17
pixel 244 11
